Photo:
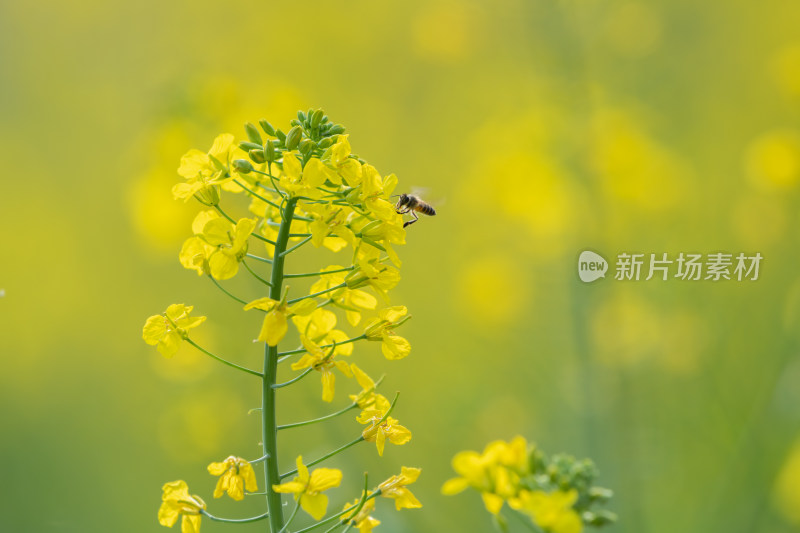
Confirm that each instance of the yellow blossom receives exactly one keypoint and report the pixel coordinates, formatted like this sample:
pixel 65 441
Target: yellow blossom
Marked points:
pixel 495 473
pixel 552 511
pixel 204 172
pixel 275 324
pixel 353 301
pixel 375 191
pixel 324 363
pixel 296 181
pixel 195 251
pixel 166 331
pixel 237 475
pixel 379 432
pixel 393 346
pixel 230 242
pixel 368 398
pixel 320 326
pixel 175 502
pixel 307 488
pixel 338 159
pixel 395 488
pixel 362 520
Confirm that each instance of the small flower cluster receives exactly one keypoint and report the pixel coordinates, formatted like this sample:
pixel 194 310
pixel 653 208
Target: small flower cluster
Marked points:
pixel 302 186
pixel 555 493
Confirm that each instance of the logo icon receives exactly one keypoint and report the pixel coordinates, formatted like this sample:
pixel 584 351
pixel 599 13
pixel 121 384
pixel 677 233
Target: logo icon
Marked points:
pixel 591 266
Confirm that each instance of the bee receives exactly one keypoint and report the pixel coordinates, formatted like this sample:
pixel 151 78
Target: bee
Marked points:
pixel 411 203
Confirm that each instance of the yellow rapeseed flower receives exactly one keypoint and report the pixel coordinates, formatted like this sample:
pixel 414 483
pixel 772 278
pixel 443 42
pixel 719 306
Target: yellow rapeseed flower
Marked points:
pixel 236 475
pixel 381 329
pixel 275 324
pixel 552 511
pixel 166 331
pixel 307 488
pixel 495 473
pixel 379 432
pixel 230 242
pixel 203 172
pixel 353 301
pixel 395 488
pixel 320 326
pixel 368 398
pixel 175 502
pixel 362 520
pixel 324 363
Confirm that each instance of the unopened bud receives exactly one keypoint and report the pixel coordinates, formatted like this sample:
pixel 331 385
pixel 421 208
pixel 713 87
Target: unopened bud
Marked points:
pixel 267 127
pixel 252 133
pixel 306 145
pixel 599 518
pixel 269 152
pixel 280 135
pixel 336 130
pixel 301 116
pixel 247 146
pixel 293 137
pixel 243 166
pixel 325 143
pixel 316 118
pixel 208 195
pixel 257 155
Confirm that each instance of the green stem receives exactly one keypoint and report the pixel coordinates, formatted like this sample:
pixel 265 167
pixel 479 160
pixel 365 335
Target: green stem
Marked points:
pixel 232 221
pixel 287 383
pixel 291 517
pixel 295 247
pixel 320 293
pixel 269 422
pixel 220 287
pixel 337 515
pixel 320 419
pixel 326 456
pixel 312 274
pixel 221 360
pixel 270 202
pixel 233 520
pixel 259 278
pixel 262 259
pixel 285 355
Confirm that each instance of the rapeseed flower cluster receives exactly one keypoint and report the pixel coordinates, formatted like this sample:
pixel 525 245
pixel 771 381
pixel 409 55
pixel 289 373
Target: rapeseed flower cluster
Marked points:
pixel 305 185
pixel 554 493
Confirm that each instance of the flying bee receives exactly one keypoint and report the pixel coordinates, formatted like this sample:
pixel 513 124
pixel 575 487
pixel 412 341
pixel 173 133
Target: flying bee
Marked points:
pixel 411 203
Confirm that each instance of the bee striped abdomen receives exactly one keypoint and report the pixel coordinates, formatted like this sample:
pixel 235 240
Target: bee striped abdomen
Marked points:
pixel 426 209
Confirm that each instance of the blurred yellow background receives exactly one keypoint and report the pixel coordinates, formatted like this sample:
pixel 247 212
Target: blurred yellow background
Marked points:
pixel 548 127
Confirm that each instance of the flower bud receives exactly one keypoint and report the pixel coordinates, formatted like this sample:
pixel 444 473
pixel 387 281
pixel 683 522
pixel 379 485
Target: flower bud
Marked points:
pixel 293 137
pixel 280 135
pixel 355 279
pixel 316 118
pixel 336 130
pixel 352 196
pixel 267 127
pixel 600 494
pixel 599 518
pixel 243 166
pixel 269 152
pixel 208 195
pixel 247 146
pixel 306 146
pixel 252 133
pixel 301 116
pixel 257 155
pixel 326 142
